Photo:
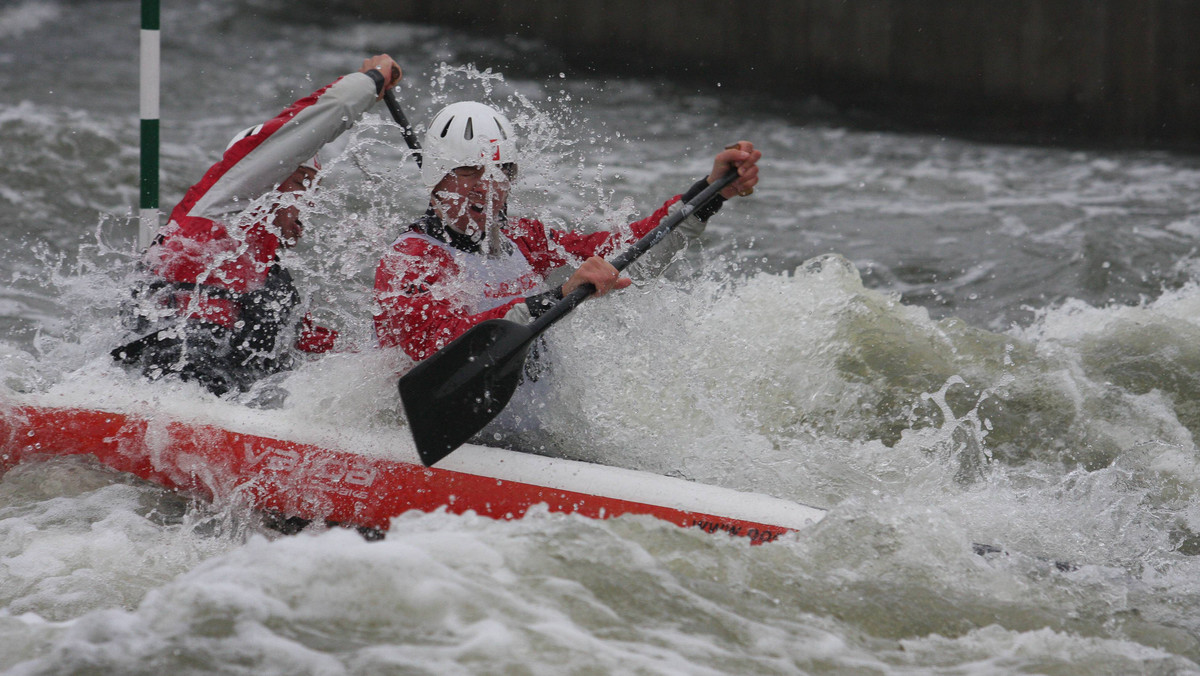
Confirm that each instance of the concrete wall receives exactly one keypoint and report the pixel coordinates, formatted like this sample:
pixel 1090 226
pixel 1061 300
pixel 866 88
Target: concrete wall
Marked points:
pixel 1110 71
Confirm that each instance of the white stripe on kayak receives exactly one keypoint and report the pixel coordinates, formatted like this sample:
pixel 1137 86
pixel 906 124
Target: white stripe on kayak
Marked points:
pixel 630 485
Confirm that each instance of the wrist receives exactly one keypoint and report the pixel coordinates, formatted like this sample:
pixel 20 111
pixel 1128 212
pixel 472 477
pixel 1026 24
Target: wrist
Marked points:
pixel 378 78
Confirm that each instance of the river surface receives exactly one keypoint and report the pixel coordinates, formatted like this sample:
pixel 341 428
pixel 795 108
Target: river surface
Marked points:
pixel 983 359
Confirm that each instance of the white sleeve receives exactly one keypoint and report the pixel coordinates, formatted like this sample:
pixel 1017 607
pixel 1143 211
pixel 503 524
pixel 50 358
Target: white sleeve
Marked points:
pixel 298 139
pixel 519 313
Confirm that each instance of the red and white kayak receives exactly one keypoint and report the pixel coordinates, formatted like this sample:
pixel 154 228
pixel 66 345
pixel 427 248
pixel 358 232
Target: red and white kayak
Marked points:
pixel 230 460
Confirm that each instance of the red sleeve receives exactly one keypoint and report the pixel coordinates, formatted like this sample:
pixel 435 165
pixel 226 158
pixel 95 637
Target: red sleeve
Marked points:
pixel 416 308
pixel 547 249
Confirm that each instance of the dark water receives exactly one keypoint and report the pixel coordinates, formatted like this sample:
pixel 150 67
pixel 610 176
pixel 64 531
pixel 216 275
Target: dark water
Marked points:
pixel 945 342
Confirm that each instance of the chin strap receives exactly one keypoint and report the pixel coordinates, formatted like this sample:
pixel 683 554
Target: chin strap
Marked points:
pixel 431 224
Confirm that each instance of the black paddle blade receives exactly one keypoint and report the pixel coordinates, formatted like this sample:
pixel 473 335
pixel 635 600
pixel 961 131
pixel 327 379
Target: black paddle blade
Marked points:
pixel 454 394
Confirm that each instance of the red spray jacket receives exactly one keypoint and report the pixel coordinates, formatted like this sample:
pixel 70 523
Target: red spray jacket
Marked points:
pixel 208 240
pixel 428 292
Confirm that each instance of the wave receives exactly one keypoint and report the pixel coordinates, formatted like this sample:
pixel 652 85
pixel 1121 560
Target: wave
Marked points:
pixel 26 17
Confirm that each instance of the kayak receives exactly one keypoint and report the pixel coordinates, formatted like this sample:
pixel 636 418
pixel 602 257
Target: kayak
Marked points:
pixel 366 482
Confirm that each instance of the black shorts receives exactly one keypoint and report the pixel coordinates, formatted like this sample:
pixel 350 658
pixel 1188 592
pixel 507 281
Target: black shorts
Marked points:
pixel 219 358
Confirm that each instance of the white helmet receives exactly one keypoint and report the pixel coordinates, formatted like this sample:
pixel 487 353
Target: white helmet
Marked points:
pixel 313 162
pixel 466 133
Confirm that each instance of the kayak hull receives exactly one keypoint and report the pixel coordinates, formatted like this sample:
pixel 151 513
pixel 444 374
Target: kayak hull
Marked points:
pixel 311 482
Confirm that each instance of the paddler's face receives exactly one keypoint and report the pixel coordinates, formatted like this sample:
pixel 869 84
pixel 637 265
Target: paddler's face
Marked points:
pixel 468 198
pixel 287 219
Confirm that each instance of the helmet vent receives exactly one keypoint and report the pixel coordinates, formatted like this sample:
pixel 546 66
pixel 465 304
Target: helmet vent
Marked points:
pixel 462 134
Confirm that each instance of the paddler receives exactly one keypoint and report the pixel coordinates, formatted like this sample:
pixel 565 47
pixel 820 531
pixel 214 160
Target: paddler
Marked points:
pixel 217 303
pixel 466 260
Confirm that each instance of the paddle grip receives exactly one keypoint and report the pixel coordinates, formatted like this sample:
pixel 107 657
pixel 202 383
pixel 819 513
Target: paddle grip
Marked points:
pixel 410 136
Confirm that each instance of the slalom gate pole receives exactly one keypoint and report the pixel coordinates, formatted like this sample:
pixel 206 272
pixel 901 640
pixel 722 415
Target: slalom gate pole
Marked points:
pixel 149 88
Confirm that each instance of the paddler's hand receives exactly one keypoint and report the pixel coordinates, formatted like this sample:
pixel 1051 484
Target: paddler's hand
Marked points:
pixel 387 67
pixel 744 158
pixel 600 274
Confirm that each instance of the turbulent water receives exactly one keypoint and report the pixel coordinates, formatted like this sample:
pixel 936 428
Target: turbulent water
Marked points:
pixel 984 360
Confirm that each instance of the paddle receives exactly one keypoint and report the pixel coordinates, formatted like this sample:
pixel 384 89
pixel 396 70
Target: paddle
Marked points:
pixel 410 137
pixel 454 394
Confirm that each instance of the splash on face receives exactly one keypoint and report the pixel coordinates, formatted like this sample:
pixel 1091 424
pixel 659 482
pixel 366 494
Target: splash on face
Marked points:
pixel 470 198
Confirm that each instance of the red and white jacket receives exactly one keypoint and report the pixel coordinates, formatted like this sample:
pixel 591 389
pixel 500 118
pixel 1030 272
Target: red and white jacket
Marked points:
pixel 429 291
pixel 208 240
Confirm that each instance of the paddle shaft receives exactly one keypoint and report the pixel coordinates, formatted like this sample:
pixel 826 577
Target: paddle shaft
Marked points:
pixel 410 136
pixel 634 252
pixel 455 393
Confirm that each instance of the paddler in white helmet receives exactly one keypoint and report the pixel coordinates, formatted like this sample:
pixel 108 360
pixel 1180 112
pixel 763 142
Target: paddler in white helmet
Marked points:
pixel 467 260
pixel 216 304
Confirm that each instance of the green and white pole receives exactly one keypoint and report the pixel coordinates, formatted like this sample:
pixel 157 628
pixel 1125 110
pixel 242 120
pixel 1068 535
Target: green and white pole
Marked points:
pixel 150 73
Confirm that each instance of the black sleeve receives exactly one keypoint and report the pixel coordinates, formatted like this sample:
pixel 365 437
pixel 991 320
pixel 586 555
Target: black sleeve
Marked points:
pixel 540 303
pixel 380 81
pixel 705 212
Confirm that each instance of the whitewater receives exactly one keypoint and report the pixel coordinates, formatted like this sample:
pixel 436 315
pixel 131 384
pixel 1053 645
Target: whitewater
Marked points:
pixel 982 359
